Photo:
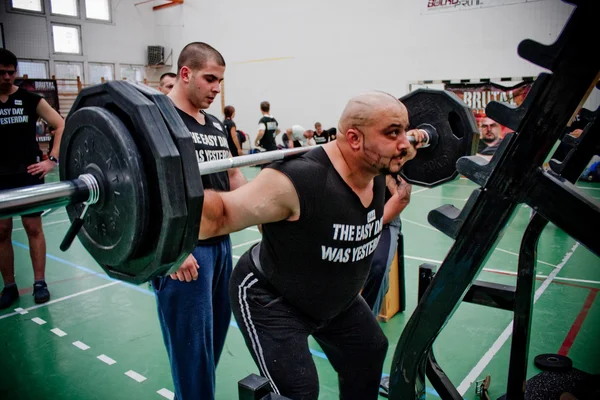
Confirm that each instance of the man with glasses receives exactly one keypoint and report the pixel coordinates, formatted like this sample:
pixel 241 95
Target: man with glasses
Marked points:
pixel 21 165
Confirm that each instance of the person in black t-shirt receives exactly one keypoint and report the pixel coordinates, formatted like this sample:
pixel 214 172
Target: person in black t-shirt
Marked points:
pixel 21 165
pixel 321 136
pixel 193 305
pixel 231 130
pixel 268 128
pixel 305 276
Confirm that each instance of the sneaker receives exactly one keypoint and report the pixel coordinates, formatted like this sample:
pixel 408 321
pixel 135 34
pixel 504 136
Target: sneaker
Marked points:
pixel 40 292
pixel 9 295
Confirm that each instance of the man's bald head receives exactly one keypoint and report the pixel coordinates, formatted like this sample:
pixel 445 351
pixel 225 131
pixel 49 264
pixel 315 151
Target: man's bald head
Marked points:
pixel 365 109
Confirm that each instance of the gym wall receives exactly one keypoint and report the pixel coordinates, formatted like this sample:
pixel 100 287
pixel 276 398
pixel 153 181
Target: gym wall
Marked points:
pixel 307 58
pixel 120 41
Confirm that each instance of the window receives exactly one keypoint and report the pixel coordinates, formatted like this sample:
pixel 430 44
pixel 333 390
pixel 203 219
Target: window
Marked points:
pixel 66 75
pixel 64 7
pixel 134 73
pixel 33 69
pixel 99 71
pixel 97 9
pixel 29 5
pixel 66 39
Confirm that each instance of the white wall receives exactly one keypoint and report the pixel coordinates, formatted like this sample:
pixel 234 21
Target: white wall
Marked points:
pixel 307 58
pixel 316 54
pixel 124 40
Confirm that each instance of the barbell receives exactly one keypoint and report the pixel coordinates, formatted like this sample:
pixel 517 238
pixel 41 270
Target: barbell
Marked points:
pixel 134 195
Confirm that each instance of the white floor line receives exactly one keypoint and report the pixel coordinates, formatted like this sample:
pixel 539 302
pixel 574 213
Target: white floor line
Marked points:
pixel 419 224
pixel 487 357
pixel 558 278
pixel 587 188
pixel 44 225
pixel 58 332
pixel 517 254
pixel 443 197
pixel 496 249
pixel 38 321
pixel 245 243
pixel 106 359
pixel 21 311
pixel 574 280
pixel 502 271
pixel 61 299
pixel 419 191
pixel 166 393
pixel 460 186
pixel 53 212
pixel 81 345
pixel 252 229
pixel 135 376
pixel 236 257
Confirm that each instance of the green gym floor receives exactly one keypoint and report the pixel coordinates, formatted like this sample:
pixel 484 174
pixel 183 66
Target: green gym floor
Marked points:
pixel 99 338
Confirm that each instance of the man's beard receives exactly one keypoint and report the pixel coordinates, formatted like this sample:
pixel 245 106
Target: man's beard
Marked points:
pixel 377 161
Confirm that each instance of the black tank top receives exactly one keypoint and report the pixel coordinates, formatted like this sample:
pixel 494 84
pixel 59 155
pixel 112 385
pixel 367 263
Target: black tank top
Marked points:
pixel 321 261
pixel 18 118
pixel 268 139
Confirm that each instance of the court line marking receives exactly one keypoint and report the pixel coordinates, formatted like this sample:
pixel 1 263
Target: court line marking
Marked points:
pixel 419 191
pixel 166 393
pixel 61 299
pixel 558 278
pixel 495 348
pixel 246 243
pixel 101 275
pixel 81 345
pixel 58 332
pixel 517 254
pixel 504 272
pixel 135 376
pixel 106 359
pixel 18 220
pixel 497 248
pixel 48 224
pixel 442 197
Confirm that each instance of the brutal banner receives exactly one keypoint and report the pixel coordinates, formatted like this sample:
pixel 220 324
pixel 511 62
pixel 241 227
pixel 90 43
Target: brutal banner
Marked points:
pixel 478 95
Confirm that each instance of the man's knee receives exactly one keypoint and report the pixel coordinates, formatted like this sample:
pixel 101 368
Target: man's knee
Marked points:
pixel 379 347
pixel 33 226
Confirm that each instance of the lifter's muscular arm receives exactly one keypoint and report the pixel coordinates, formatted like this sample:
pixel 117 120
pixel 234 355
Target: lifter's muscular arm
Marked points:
pixel 270 197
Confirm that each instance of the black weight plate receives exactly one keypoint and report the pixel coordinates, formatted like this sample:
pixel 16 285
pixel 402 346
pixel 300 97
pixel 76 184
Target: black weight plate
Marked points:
pixel 162 165
pixel 193 181
pixel 96 142
pixel 457 135
pixel 553 362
